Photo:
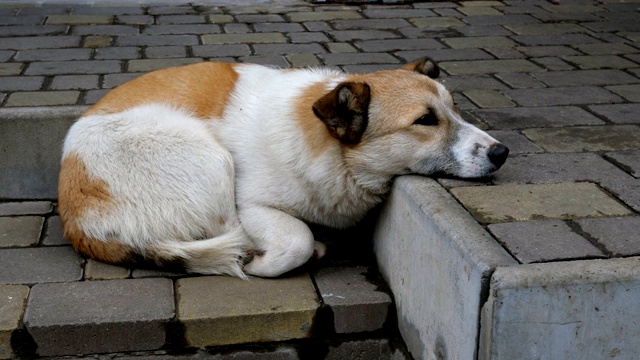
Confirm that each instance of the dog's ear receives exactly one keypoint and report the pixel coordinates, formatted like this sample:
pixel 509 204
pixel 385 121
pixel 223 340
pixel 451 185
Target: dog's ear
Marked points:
pixel 425 66
pixel 345 111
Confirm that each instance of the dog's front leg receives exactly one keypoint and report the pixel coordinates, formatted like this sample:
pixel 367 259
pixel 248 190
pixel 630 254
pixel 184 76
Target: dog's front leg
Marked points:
pixel 283 242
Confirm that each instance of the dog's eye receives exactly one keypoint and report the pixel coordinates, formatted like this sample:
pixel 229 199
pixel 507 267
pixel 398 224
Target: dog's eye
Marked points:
pixel 428 119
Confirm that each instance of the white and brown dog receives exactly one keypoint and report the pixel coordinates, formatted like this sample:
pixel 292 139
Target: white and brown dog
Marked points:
pixel 203 164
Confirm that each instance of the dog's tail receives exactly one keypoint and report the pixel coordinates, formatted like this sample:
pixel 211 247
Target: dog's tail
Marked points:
pixel 219 255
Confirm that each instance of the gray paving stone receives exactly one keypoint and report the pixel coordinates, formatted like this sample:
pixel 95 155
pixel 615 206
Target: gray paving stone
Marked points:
pixel 479 42
pixel 96 270
pixel 5 55
pixel 317 26
pixel 369 24
pixel 81 67
pixel 154 273
pixel 559 167
pixel 277 49
pixel 221 50
pixel 618 113
pixel 488 66
pixel 259 18
pixel 562 96
pixel 357 58
pixel 437 22
pixel 53 232
pixel 339 47
pixel 261 38
pixel 97 41
pixel 545 29
pixel 629 92
pixel 135 19
pixel 323 15
pixel 235 28
pixel 117 53
pixel 99 317
pixel 219 19
pixel 303 60
pixel 350 35
pixel 606 49
pixel 13 299
pixel 157 40
pixel 628 191
pixel 108 9
pixel 509 203
pixel 549 50
pixel 32 30
pixel 484 30
pixel 113 80
pixel 505 53
pixel 397 44
pixel 488 99
pixel 464 83
pixel 369 349
pixel 75 82
pixel 79 19
pixel 530 117
pixel 43 98
pixel 445 54
pixel 308 37
pixel 501 20
pixel 39 42
pixel 386 13
pixel 22 20
pixel 163 52
pixel 7 69
pixel 25 208
pixel 479 11
pixel 180 19
pixel 20 231
pixel 586 138
pixel 285 309
pixel 105 30
pixel 278 27
pixel 171 10
pixel 584 78
pixel 145 65
pixel 516 142
pixel 429 32
pixel 600 62
pixel 40 265
pixel 553 63
pixel 519 80
pixel 558 39
pixel 618 235
pixel 627 160
pixel 356 304
pixel 181 29
pixel 543 241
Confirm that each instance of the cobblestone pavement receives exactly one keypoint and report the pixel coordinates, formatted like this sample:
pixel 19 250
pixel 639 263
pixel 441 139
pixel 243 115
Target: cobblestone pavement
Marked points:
pixel 557 83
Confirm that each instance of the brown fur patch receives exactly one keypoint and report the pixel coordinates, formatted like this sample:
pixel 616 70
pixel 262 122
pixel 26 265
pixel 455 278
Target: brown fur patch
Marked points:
pixel 316 134
pixel 203 88
pixel 77 194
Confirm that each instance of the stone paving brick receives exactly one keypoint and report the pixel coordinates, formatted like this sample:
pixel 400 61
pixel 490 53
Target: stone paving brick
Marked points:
pixel 113 80
pixel 586 138
pixel 8 69
pixel 276 49
pixel 488 66
pixel 74 82
pixel 560 167
pixel 501 20
pixel 516 142
pixel 171 10
pixel 479 11
pixel 135 19
pixel 508 203
pixel 356 304
pixel 426 33
pixel 21 83
pixel 549 50
pixel 179 19
pixel 628 191
pixel 539 241
pixel 437 22
pixel 80 67
pixel 618 235
pixel 274 309
pixel 606 49
pixel 545 29
pixel 259 18
pixel 182 29
pixel 43 98
pixel 53 232
pixel 157 40
pixel 97 41
pixel 584 77
pixel 108 9
pixel 278 27
pixel 488 99
pixel 520 81
pixel 96 270
pixel 357 58
pixel 479 42
pixel 317 26
pixel 105 30
pixel 53 55
pixel 99 316
pixel 553 63
pixel 32 30
pixel 571 8
pixel 627 160
pixel 336 47
pixel 163 52
pixel 146 65
pixel 323 15
pixel 308 37
pixel 618 113
pixel 235 28
pixel 558 39
pixel 562 96
pixel 22 20
pixel 40 265
pixel 120 53
pixel 303 60
pixel 449 13
pixel 600 62
pixel 387 13
pixel 154 273
pixel 219 19
pixel 505 53
pixel 262 38
pixel 528 117
pixel 629 92
pixel 480 3
pixel 13 299
pixel 397 44
pixel 369 24
pixel 221 50
pixel 25 208
pixel 20 231
pixel 79 19
pixel 370 349
pixel 445 54
pixel 5 55
pixel 484 30
pixel 349 35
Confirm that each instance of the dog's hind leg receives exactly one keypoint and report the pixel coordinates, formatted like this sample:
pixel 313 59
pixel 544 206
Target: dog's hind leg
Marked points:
pixel 284 242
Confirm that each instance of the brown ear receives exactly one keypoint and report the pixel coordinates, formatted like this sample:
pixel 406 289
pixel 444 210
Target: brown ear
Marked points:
pixel 345 111
pixel 424 66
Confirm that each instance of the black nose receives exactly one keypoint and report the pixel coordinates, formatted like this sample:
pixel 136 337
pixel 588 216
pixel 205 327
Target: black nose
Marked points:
pixel 498 155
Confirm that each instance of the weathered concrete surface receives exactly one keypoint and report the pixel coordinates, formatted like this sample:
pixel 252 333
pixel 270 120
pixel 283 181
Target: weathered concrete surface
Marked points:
pixel 218 310
pixel 13 299
pixel 437 261
pixel 572 310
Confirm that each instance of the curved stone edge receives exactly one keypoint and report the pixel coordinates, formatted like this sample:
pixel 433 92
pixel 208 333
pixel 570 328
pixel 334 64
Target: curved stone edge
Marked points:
pixel 437 261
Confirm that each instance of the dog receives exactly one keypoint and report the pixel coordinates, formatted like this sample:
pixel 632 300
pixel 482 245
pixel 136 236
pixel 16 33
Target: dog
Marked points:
pixel 219 167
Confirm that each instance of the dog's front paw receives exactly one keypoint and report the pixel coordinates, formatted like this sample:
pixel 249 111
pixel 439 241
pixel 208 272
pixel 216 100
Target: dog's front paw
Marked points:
pixel 319 250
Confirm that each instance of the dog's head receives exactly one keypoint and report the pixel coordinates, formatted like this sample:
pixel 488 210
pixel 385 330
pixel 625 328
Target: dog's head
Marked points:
pixel 402 121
